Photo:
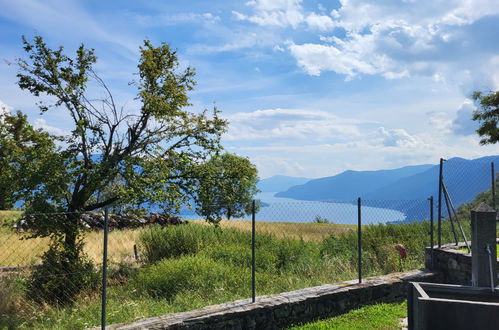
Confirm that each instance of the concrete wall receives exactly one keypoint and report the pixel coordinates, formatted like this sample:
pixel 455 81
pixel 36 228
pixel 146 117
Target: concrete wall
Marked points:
pixel 285 309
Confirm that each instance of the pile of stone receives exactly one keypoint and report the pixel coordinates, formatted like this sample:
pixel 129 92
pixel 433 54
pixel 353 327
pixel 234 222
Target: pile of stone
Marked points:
pixel 122 221
pixel 95 221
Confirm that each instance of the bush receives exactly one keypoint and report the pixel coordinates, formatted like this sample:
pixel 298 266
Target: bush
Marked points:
pixel 158 243
pixel 201 274
pixel 62 276
pixel 240 256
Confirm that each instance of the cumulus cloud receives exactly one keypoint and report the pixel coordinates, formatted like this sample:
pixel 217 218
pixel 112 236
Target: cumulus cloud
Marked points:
pixel 4 108
pixel 274 13
pixel 284 13
pixel 462 124
pixel 398 138
pixel 297 124
pixel 439 39
pixel 42 123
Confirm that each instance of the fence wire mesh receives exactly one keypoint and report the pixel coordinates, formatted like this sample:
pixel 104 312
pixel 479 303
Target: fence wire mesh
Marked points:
pixel 159 264
pixel 464 185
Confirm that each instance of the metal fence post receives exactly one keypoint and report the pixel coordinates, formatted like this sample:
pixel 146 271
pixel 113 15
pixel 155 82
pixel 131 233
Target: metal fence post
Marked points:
pixel 253 233
pixel 431 231
pixel 439 215
pixel 359 237
pixel 104 270
pixel 493 177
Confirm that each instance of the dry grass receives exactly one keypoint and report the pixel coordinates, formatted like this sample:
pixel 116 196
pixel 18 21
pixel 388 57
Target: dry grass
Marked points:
pixel 15 250
pixel 306 231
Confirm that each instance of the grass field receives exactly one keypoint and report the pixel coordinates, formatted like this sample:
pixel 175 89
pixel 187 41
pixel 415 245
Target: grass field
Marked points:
pixel 373 317
pixel 306 231
pixel 15 250
pixel 190 266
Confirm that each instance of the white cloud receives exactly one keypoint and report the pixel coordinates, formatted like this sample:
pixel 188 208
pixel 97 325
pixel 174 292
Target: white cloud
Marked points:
pixel 462 124
pixel 319 22
pixel 4 108
pixel 395 40
pixel 174 19
pixel 42 123
pixel 284 13
pixel 285 124
pixel 274 13
pixel 398 138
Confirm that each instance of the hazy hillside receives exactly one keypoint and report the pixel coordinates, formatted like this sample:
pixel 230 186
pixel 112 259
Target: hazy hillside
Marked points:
pixel 280 183
pixel 350 184
pixel 464 179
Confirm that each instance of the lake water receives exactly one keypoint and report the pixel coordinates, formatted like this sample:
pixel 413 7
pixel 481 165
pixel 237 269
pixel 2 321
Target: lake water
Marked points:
pixel 291 210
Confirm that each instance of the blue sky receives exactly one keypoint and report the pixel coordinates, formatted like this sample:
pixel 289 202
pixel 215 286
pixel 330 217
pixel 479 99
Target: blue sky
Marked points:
pixel 311 88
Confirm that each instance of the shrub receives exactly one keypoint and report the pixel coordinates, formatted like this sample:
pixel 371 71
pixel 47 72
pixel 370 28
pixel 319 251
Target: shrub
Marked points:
pixel 62 276
pixel 201 274
pixel 319 219
pixel 158 243
pixel 239 255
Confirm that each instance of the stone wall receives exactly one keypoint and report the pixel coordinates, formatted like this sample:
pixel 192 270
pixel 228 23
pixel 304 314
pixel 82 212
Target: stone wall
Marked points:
pixel 285 309
pixel 454 266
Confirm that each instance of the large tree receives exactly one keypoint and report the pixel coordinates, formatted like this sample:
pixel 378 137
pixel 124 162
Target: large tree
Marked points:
pixel 226 187
pixel 488 116
pixel 25 156
pixel 148 154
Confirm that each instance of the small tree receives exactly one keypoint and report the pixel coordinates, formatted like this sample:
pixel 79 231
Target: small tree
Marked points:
pixel 487 116
pixel 24 155
pixel 149 154
pixel 226 187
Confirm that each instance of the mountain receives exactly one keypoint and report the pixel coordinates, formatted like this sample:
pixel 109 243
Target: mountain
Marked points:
pixel 405 189
pixel 350 184
pixel 463 178
pixel 279 183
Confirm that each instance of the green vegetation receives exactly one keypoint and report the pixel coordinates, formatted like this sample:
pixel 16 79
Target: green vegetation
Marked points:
pixel 160 153
pixel 488 116
pixel 226 187
pixel 373 317
pixel 194 265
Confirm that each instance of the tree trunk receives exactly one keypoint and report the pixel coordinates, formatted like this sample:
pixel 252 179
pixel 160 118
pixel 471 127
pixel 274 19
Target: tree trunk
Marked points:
pixel 4 203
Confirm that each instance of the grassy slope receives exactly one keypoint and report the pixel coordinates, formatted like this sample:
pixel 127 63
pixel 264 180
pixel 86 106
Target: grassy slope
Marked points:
pixel 229 276
pixel 373 317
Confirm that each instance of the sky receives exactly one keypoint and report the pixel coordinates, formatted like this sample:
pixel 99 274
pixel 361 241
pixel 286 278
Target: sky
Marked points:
pixel 310 88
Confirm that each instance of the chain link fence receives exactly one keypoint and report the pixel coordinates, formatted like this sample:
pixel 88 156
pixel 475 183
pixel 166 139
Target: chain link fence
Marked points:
pixel 462 186
pixel 160 264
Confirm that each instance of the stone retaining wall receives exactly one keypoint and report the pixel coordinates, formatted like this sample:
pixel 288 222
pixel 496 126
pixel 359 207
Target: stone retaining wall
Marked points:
pixel 285 309
pixel 454 266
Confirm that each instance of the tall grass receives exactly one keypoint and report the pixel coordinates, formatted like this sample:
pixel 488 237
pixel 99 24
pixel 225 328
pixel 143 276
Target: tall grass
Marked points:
pixel 194 265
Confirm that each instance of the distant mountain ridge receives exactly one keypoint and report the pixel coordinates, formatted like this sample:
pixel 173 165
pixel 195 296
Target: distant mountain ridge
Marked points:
pixel 405 189
pixel 280 183
pixel 349 185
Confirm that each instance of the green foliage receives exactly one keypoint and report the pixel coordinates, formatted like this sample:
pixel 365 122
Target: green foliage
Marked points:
pixel 378 246
pixel 149 156
pixel 319 219
pixel 112 156
pixel 174 241
pixel 226 187
pixel 62 276
pixel 240 256
pixel 487 116
pixel 24 157
pixel 189 273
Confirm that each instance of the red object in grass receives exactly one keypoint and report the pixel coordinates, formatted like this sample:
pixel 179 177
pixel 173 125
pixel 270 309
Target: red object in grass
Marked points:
pixel 402 250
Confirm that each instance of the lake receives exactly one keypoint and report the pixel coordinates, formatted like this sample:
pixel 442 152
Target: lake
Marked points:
pixel 291 210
